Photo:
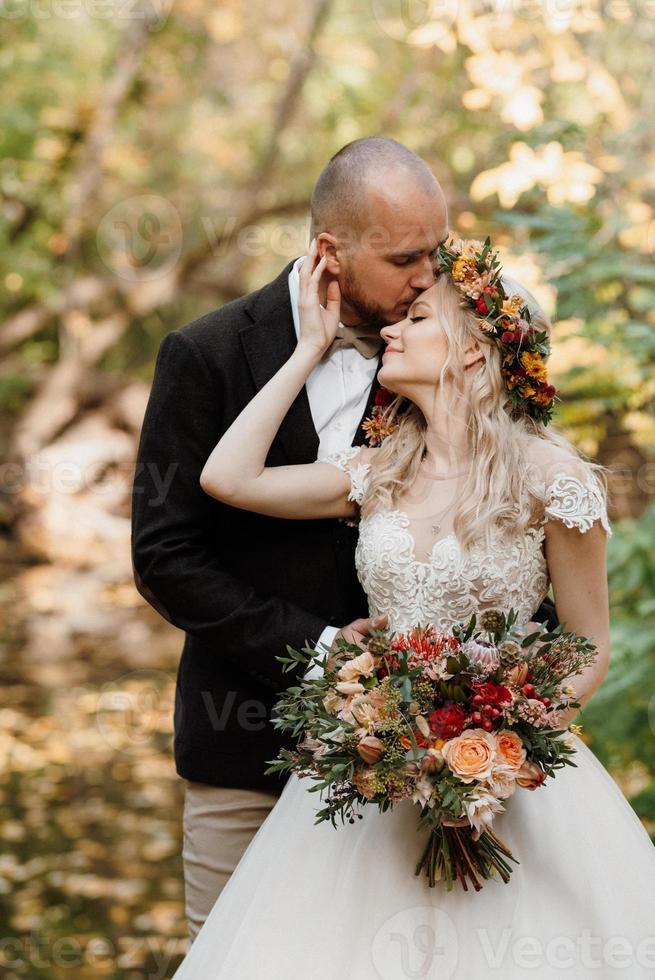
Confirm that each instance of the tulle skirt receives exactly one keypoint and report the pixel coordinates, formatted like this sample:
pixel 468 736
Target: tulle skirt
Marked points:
pixel 314 902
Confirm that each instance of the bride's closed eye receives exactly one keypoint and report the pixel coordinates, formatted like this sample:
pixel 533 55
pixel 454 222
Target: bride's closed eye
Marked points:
pixel 415 319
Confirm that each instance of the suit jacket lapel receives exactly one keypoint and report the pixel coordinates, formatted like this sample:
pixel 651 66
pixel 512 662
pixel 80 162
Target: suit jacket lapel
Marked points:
pixel 268 342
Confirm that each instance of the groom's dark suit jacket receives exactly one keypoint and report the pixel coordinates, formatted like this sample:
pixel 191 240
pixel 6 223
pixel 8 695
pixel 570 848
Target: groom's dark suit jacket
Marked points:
pixel 240 585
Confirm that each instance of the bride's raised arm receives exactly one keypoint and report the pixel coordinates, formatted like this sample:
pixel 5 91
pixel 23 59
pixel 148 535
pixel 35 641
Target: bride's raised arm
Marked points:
pixel 235 472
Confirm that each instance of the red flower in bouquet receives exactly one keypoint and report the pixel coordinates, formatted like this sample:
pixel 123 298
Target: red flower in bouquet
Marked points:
pixel 493 694
pixel 425 645
pixel 447 722
pixel 392 664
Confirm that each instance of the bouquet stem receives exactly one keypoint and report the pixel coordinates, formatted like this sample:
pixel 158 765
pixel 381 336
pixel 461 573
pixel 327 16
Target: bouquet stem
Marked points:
pixel 451 853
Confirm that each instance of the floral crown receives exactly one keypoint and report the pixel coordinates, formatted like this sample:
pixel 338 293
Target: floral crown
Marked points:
pixel 476 272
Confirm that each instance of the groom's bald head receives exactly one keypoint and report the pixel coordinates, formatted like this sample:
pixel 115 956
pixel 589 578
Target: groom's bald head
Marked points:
pixel 378 216
pixel 344 196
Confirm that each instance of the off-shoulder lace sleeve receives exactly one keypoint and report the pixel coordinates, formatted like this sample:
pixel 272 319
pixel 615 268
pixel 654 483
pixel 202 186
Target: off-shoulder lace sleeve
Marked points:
pixel 576 499
pixel 346 460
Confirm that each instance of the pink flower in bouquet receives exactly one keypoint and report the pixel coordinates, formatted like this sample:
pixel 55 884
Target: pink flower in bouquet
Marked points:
pixel 471 755
pixel 483 654
pixel 480 810
pixel 365 782
pixel 423 792
pixel 315 746
pixel 361 666
pixel 349 687
pixel 502 782
pixel 366 713
pixel 530 775
pixel 333 702
pixel 370 749
pixel 432 761
pixel 535 713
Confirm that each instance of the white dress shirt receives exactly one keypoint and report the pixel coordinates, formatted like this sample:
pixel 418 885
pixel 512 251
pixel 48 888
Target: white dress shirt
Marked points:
pixel 338 390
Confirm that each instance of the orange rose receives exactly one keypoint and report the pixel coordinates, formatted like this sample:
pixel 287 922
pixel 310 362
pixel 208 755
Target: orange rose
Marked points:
pixel 471 755
pixel 511 749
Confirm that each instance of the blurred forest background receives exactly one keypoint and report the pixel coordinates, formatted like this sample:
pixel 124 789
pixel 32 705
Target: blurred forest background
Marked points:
pixel 157 162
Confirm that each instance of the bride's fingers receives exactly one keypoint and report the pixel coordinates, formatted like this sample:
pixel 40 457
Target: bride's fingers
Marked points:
pixel 310 284
pixel 333 298
pixel 308 262
pixel 318 271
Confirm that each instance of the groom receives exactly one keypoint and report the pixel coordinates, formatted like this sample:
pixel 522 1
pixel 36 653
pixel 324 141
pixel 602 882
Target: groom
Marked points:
pixel 240 585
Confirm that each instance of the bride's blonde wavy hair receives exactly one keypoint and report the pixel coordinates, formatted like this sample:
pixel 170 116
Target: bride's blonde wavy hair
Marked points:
pixel 502 487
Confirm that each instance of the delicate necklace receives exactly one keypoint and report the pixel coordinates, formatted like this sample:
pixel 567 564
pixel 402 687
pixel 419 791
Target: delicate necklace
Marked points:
pixel 436 527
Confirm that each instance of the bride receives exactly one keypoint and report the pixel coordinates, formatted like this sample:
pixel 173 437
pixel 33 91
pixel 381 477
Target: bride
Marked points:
pixel 470 502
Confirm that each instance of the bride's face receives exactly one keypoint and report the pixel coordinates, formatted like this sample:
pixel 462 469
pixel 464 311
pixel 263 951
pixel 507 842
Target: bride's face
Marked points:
pixel 417 348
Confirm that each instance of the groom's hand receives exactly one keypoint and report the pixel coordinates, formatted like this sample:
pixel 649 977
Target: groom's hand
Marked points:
pixel 355 632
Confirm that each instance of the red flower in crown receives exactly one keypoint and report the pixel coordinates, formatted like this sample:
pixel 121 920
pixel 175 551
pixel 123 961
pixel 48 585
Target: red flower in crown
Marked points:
pixel 481 305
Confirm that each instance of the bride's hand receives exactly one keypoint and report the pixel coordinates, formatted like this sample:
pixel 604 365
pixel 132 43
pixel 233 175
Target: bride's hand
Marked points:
pixel 318 326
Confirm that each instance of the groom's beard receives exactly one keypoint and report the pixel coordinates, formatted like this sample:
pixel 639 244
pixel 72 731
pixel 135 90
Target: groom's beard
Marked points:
pixel 367 311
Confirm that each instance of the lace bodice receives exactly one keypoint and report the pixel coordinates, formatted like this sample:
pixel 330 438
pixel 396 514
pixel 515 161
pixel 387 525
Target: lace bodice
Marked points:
pixel 450 586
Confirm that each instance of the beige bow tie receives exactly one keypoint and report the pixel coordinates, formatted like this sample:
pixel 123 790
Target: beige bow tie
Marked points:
pixel 364 337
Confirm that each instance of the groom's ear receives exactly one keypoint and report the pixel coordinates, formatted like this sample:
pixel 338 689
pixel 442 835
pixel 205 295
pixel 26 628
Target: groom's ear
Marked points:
pixel 327 245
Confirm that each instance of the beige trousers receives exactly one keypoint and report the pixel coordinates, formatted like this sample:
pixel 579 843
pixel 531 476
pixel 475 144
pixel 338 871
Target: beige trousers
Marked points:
pixel 218 825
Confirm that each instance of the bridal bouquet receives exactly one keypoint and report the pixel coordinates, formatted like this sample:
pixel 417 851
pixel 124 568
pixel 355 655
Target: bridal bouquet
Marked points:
pixel 454 721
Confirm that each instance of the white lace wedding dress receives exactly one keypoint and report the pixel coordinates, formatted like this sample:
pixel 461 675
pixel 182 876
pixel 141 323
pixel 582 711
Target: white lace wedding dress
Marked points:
pixel 311 902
